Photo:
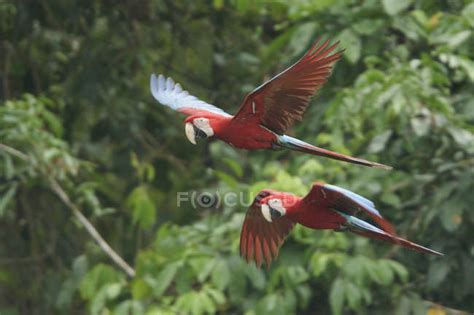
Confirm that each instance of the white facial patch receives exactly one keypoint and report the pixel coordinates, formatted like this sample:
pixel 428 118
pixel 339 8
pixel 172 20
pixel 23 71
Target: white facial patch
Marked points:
pixel 190 134
pixel 275 204
pixel 204 125
pixel 266 212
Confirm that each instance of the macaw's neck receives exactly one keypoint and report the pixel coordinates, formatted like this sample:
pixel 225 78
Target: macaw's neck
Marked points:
pixel 293 205
pixel 219 123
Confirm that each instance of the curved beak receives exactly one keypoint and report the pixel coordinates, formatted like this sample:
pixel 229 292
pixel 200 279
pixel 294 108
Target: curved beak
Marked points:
pixel 266 212
pixel 190 133
pixel 193 133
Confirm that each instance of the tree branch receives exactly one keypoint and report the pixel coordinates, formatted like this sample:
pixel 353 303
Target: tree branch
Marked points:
pixel 14 152
pixel 59 191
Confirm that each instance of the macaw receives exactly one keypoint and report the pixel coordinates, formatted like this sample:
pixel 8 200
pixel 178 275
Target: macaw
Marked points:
pixel 273 214
pixel 266 113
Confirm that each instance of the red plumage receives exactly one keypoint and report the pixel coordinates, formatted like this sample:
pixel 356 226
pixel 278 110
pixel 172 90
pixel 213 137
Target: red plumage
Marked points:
pixel 324 207
pixel 266 113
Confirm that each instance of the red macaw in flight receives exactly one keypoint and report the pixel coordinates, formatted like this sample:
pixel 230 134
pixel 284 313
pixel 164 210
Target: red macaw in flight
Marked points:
pixel 266 113
pixel 273 214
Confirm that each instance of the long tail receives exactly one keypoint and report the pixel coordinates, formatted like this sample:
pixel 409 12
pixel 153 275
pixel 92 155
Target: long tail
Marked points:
pixel 363 228
pixel 298 145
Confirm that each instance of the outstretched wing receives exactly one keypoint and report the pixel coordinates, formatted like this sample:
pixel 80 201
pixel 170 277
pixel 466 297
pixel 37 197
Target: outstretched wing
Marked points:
pixel 348 202
pixel 261 240
pixel 279 103
pixel 171 94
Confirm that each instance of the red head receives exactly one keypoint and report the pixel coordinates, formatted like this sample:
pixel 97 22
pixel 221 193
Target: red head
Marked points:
pixel 202 126
pixel 275 204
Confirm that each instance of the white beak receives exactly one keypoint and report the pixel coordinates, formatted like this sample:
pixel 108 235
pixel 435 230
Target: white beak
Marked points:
pixel 266 212
pixel 190 134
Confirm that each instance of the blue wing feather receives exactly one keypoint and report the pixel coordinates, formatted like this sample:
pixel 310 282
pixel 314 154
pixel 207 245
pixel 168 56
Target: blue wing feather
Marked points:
pixel 369 205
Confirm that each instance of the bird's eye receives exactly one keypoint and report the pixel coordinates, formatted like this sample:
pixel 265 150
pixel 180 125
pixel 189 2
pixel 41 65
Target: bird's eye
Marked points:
pixel 261 195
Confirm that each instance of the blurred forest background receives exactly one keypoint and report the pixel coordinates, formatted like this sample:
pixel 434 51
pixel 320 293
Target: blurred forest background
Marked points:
pixel 81 134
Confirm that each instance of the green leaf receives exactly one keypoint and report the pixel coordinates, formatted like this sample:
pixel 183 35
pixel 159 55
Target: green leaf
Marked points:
pixel 217 296
pixel 399 269
pixel 70 286
pixel 468 13
pixel 54 124
pixel 368 26
pixel 255 276
pixel 356 269
pixel 130 307
pixel 403 306
pixel 200 266
pixel 235 166
pixel 205 267
pixel 218 4
pixel 468 66
pixel 113 290
pixel 353 295
pixel 205 303
pixel 226 178
pixel 97 278
pixel 221 275
pixel 451 214
pixel 238 285
pixel 393 7
pixel 459 38
pixel 350 41
pixel 319 263
pixel 9 167
pixel 391 199
pixel 302 38
pixel 462 136
pixel 379 142
pixel 297 274
pixel 98 302
pixel 269 52
pixel 336 296
pixel 7 197
pixel 140 289
pixel 143 207
pixel 310 167
pixel 382 273
pixel 321 4
pixel 195 302
pixel 163 280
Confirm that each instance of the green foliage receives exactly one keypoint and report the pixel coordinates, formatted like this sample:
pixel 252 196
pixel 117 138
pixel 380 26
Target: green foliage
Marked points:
pixel 76 105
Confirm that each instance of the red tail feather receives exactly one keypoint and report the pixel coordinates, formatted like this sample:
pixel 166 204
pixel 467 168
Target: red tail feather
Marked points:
pixel 398 241
pixel 298 145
